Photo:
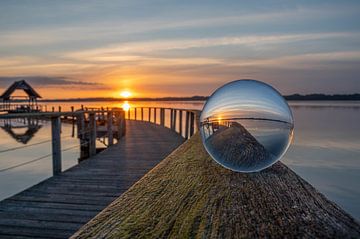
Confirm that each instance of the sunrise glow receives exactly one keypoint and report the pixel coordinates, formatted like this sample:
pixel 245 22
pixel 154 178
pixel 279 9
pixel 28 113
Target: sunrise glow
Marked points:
pixel 125 94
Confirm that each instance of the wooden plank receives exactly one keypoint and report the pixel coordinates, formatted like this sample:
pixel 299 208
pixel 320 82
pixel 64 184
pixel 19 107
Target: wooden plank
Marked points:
pixel 58 206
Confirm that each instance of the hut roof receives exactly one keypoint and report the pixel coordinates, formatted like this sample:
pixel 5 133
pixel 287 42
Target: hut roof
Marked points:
pixel 20 85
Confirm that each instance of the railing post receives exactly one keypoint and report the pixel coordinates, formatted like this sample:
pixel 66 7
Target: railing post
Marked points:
pixel 110 127
pixel 174 121
pixel 135 113
pixel 162 116
pixel 128 113
pixel 56 144
pixel 118 115
pixel 171 118
pixel 149 114
pixel 187 124
pixel 197 121
pixel 180 122
pixel 142 113
pixel 192 119
pixel 92 143
pixel 154 115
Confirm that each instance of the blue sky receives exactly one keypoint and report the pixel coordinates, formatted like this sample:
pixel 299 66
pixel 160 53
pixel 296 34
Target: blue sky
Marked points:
pixel 179 48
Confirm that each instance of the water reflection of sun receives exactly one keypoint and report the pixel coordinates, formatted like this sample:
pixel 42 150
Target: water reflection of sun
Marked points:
pixel 126 106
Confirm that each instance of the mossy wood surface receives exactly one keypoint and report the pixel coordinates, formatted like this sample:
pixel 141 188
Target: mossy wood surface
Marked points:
pixel 188 195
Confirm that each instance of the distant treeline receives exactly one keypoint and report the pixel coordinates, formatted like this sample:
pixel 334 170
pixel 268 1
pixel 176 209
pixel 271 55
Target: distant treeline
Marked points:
pixel 322 97
pixel 202 98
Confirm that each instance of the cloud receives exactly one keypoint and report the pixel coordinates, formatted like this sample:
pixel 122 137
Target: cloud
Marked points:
pixel 133 50
pixel 45 81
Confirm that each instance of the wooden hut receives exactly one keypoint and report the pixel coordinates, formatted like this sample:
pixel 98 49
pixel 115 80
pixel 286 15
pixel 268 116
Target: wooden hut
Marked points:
pixel 26 103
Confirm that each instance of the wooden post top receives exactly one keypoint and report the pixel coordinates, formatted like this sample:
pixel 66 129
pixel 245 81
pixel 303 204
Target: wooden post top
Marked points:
pixel 188 195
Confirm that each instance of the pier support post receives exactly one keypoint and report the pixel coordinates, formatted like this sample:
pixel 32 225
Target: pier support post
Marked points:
pixel 142 114
pixel 187 124
pixel 135 113
pixel 174 120
pixel 171 118
pixel 162 117
pixel 192 119
pixel 109 128
pixel 180 122
pixel 154 115
pixel 92 143
pixel 149 114
pixel 56 144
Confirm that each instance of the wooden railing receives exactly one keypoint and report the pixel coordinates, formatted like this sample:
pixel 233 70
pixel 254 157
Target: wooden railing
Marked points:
pixel 89 124
pixel 182 121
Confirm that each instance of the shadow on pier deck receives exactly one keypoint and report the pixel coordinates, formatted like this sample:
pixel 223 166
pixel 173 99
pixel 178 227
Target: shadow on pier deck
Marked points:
pixel 59 206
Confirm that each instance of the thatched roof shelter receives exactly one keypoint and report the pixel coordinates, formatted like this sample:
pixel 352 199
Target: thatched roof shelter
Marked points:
pixel 23 85
pixel 8 99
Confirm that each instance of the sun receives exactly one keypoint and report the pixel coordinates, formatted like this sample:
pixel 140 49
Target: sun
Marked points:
pixel 125 94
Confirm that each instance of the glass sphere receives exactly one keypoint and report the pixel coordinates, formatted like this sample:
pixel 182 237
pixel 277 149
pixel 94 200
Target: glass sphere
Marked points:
pixel 246 126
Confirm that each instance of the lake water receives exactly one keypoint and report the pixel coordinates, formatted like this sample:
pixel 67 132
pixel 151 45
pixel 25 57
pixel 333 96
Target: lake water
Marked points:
pixel 325 150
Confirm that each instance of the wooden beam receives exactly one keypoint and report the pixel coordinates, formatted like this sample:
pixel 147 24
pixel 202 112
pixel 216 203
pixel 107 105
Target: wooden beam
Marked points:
pixel 109 128
pixel 180 122
pixel 56 144
pixel 187 124
pixel 92 125
pixel 192 123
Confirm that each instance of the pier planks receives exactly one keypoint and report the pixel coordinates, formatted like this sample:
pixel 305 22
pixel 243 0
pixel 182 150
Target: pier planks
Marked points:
pixel 60 205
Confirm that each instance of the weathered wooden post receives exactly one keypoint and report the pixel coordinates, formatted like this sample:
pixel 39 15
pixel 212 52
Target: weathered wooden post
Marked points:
pixel 53 109
pixel 171 118
pixel 118 115
pixel 142 113
pixel 128 114
pixel 135 113
pixel 174 121
pixel 187 124
pixel 162 116
pixel 73 122
pixel 59 108
pixel 56 144
pixel 109 127
pixel 149 114
pixel 192 119
pixel 180 122
pixel 92 143
pixel 154 115
pixel 197 121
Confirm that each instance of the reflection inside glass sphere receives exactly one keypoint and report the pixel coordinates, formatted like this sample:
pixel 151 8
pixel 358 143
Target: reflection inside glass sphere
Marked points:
pixel 246 126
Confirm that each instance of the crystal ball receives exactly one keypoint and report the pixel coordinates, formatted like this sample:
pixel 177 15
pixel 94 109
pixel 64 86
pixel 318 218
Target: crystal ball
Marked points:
pixel 246 126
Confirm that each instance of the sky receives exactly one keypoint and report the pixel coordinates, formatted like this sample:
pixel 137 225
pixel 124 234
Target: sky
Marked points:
pixel 71 49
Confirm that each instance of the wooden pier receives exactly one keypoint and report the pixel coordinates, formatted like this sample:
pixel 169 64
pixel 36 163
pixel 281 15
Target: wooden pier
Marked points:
pixel 60 205
pixel 187 195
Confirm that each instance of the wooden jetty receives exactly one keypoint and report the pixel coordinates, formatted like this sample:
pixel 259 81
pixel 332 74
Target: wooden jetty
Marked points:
pixel 188 195
pixel 60 205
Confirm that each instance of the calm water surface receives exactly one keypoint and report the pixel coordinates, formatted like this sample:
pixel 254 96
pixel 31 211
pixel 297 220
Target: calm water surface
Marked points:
pixel 325 151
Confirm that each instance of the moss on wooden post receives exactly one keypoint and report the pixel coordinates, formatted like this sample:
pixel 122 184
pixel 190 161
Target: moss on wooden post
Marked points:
pixel 189 196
